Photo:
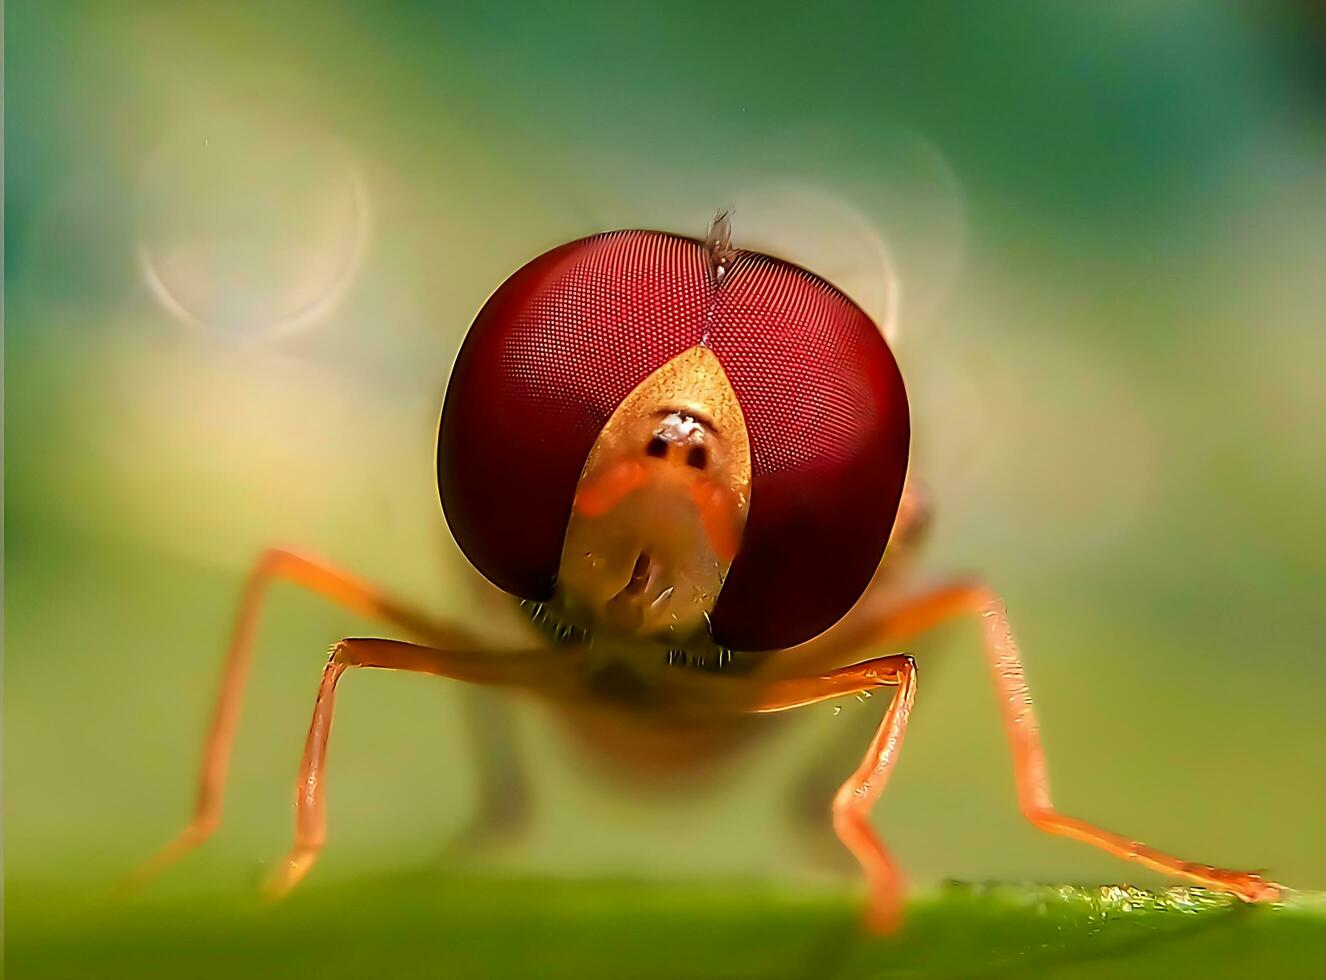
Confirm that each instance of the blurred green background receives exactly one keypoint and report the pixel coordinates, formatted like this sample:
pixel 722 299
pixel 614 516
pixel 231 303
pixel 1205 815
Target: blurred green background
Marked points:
pixel 243 243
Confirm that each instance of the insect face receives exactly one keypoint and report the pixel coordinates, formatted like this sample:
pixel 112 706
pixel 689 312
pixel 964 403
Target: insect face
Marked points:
pixel 659 510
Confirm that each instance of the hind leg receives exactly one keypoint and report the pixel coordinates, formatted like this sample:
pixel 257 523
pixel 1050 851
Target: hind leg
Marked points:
pixel 504 804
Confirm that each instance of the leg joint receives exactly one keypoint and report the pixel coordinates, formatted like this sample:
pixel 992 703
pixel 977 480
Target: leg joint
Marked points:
pixel 270 560
pixel 339 654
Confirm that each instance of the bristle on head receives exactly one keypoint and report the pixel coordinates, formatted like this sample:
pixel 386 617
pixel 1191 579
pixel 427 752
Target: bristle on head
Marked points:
pixel 718 243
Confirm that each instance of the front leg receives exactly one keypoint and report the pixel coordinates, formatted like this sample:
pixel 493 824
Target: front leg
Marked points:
pixel 552 672
pixel 856 797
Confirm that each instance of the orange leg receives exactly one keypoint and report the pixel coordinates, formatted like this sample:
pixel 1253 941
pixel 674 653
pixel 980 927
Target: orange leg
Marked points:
pixel 551 672
pixel 852 804
pixel 1029 768
pixel 318 577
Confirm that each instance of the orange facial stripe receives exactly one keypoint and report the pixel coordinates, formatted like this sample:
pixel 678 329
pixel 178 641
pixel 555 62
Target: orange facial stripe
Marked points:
pixel 607 491
pixel 718 513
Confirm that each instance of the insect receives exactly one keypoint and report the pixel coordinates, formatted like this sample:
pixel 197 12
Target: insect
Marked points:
pixel 688 463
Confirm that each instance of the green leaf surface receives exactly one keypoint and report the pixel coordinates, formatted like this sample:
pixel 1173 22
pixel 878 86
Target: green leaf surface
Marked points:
pixel 426 925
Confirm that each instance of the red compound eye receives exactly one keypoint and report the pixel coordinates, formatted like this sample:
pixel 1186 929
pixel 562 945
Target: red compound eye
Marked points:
pixel 565 339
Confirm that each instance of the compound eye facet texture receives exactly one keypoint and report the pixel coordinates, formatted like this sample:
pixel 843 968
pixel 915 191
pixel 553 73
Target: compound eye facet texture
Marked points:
pixel 548 358
pixel 829 429
pixel 565 339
